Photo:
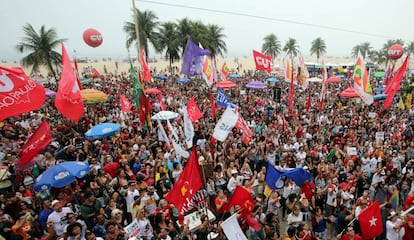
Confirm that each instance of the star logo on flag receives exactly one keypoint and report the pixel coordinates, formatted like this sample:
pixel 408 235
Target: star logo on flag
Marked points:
pixel 373 221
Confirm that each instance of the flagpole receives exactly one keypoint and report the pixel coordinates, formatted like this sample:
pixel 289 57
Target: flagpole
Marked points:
pixel 137 34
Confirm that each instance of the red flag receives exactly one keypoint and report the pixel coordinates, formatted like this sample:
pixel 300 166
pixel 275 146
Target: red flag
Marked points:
pixel 68 98
pixel 370 221
pixel 77 73
pixel 247 133
pixel 147 71
pixel 308 104
pixel 188 184
pixel 125 104
pixel 213 104
pixel 144 109
pixel 262 61
pixel 95 73
pixel 162 102
pixel 18 93
pixel 394 85
pixel 244 199
pixel 193 111
pixel 36 143
pixel 291 94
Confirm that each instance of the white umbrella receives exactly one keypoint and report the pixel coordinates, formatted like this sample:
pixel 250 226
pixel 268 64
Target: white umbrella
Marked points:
pixel 314 79
pixel 165 115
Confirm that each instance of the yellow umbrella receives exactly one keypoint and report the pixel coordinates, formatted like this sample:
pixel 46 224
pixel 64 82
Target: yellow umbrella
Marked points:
pixel 93 96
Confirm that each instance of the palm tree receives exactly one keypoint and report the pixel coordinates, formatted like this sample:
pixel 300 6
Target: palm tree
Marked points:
pixel 409 49
pixel 168 40
pixel 184 31
pixel 41 45
pixel 355 50
pixel 379 56
pixel 291 47
pixel 318 47
pixel 215 42
pixel 271 46
pixel 147 24
pixel 366 49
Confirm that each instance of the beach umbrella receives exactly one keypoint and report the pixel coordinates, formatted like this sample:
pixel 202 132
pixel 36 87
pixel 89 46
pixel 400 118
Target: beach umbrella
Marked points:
pixel 49 92
pixel 184 80
pixel 379 90
pixel 256 85
pixel 349 93
pixel 102 130
pixel 381 96
pixel 379 74
pixel 233 75
pixel 226 84
pixel 272 80
pixel 165 115
pixel 314 79
pixel 84 81
pixel 334 79
pixel 153 91
pixel 93 96
pixel 341 76
pixel 162 77
pixel 61 175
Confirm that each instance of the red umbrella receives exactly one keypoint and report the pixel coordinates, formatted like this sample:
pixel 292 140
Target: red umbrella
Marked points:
pixel 152 91
pixel 349 93
pixel 334 79
pixel 226 84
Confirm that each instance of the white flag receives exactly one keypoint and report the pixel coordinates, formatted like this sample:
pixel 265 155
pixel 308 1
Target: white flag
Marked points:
pixel 180 150
pixel 226 123
pixel 172 130
pixel 232 229
pixel 188 129
pixel 162 136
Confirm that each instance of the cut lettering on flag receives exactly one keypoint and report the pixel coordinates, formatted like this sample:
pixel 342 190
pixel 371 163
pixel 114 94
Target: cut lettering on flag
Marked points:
pixel 232 230
pixel 187 185
pixel 125 104
pixel 193 111
pixel 18 93
pixel 222 99
pixel 36 143
pixel 193 58
pixel 361 81
pixel 226 123
pixel 263 62
pixel 68 98
pixel 394 85
pixel 370 221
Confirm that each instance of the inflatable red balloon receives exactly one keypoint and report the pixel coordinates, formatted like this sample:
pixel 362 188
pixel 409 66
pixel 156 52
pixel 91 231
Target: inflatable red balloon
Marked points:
pixel 92 37
pixel 395 51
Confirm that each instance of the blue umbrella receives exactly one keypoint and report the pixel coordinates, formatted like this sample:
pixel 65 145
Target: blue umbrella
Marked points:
pixel 341 76
pixel 61 175
pixel 234 75
pixel 379 90
pixel 184 80
pixel 162 77
pixel 102 130
pixel 272 79
pixel 381 96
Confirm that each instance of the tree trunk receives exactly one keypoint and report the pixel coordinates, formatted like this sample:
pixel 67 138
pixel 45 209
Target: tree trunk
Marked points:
pixel 49 64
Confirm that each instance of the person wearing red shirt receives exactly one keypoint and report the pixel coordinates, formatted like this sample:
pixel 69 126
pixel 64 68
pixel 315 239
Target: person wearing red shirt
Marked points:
pixel 350 234
pixel 111 167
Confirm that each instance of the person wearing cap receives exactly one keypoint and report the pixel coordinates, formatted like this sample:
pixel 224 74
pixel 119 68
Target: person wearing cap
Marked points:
pixel 149 201
pixel 394 226
pixel 58 219
pixel 234 181
pixel 130 194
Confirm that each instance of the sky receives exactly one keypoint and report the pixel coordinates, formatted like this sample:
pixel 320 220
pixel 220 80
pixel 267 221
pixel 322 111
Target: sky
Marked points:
pixel 341 24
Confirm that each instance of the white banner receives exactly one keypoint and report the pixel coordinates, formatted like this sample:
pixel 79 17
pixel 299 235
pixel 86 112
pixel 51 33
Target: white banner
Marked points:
pixel 133 229
pixel 162 136
pixel 226 123
pixel 188 129
pixel 232 229
pixel 180 150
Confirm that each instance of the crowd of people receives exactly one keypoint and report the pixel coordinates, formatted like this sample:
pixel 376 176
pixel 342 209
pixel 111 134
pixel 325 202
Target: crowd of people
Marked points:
pixel 352 165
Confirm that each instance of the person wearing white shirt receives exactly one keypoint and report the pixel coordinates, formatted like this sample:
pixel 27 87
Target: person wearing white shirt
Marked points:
pixel 234 181
pixel 129 198
pixel 394 227
pixel 59 217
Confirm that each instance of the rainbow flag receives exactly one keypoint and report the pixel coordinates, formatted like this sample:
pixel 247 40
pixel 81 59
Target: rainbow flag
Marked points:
pixel 225 71
pixel 395 199
pixel 208 71
pixel 361 81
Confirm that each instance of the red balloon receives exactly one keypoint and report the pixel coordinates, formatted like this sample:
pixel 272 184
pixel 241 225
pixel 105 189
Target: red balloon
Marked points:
pixel 395 51
pixel 92 37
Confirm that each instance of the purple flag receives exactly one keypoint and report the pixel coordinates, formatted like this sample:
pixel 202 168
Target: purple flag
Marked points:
pixel 193 58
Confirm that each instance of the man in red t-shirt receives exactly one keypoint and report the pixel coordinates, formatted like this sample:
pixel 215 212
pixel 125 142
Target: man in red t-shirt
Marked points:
pixel 110 167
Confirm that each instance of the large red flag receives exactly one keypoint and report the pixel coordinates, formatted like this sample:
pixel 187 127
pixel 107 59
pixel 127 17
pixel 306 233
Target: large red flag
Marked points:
pixel 394 85
pixel 125 104
pixel 68 98
pixel 147 71
pixel 18 93
pixel 247 133
pixel 213 104
pixel 188 184
pixel 36 143
pixel 262 61
pixel 370 221
pixel 193 111
pixel 244 199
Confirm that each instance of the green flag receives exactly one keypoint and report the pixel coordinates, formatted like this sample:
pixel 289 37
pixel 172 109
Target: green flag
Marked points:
pixel 136 86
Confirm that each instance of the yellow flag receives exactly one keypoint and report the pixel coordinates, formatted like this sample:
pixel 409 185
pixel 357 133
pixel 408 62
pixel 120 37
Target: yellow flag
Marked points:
pixel 408 100
pixel 401 104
